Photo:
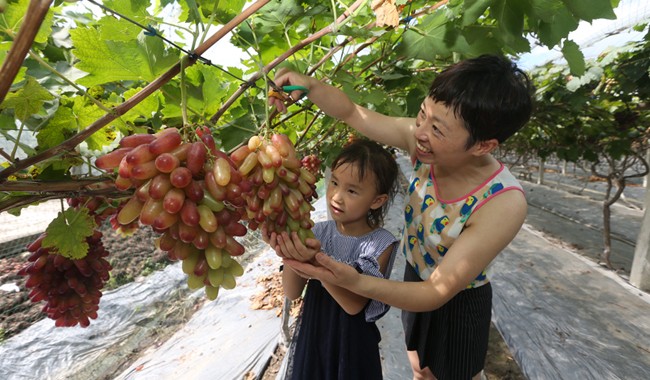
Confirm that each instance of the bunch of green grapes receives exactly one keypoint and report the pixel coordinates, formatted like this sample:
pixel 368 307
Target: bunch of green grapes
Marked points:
pixel 190 192
pixel 282 187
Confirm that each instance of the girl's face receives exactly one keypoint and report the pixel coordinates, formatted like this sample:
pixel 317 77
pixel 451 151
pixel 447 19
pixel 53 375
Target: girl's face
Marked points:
pixel 440 135
pixel 349 199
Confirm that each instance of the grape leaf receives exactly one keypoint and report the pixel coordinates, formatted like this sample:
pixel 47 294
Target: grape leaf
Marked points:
pixel 58 129
pixel 105 61
pixel 591 10
pixel 574 57
pixel 144 109
pixel 85 115
pixel 67 233
pixel 473 9
pixel 214 90
pixel 14 15
pixel 28 100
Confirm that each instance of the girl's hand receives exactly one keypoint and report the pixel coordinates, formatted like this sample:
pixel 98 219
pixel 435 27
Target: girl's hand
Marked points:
pixel 326 269
pixel 271 238
pixel 292 247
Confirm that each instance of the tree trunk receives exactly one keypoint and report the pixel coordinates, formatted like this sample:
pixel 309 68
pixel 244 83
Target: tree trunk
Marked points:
pixel 646 179
pixel 607 239
pixel 540 172
pixel 640 272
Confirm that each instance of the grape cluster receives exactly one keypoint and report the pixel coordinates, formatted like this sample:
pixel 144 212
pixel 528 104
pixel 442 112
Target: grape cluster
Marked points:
pixel 312 163
pixel 282 188
pixel 191 193
pixel 98 207
pixel 71 288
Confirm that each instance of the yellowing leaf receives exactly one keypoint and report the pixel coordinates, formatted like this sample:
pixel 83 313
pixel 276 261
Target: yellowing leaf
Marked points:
pixel 386 12
pixel 67 233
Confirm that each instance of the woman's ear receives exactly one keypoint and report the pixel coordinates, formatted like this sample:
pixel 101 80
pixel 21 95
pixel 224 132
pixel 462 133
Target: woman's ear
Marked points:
pixel 379 201
pixel 484 147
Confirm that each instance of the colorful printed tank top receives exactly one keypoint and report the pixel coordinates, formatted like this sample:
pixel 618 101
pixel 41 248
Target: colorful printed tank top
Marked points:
pixel 433 224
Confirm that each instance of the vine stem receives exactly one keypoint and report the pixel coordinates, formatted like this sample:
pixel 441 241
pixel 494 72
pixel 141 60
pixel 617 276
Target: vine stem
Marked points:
pixel 270 66
pixel 22 43
pixel 132 102
pixel 20 132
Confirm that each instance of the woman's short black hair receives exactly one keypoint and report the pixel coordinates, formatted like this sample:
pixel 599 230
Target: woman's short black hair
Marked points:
pixel 489 93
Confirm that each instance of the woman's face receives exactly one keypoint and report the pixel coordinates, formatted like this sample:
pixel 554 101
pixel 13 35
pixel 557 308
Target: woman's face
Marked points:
pixel 440 135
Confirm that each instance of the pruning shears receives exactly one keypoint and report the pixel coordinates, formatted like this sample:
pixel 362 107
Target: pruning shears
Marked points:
pixel 282 92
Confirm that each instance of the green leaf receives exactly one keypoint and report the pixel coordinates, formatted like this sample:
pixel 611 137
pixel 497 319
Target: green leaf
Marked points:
pixel 67 233
pixel 591 10
pixel 58 129
pixel 593 74
pixel 236 132
pixel 117 30
pixel 473 9
pixel 141 59
pixel 427 41
pixel 551 32
pixel 28 100
pixel 5 46
pixel 574 57
pixel 13 17
pixel 546 10
pixel 226 10
pixel 214 89
pixel 145 109
pixel 133 8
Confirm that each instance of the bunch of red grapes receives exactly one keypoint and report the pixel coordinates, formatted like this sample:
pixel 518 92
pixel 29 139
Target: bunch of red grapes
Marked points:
pixel 312 163
pixel 70 288
pixel 190 193
pixel 282 187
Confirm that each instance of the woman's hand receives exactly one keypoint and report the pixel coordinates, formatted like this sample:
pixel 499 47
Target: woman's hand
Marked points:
pixel 285 77
pixel 327 270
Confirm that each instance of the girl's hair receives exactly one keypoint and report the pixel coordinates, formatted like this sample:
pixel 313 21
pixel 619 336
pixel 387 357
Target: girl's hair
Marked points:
pixel 370 157
pixel 489 93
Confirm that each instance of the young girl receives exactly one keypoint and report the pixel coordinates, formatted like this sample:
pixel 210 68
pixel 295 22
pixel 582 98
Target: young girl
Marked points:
pixel 336 337
pixel 464 207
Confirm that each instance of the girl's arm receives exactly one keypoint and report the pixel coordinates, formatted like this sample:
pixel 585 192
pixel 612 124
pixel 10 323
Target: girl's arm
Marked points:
pixel 394 131
pixel 292 283
pixel 487 233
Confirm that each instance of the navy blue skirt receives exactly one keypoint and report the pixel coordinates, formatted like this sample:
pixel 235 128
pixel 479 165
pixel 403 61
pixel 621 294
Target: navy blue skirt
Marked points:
pixel 452 340
pixel 330 344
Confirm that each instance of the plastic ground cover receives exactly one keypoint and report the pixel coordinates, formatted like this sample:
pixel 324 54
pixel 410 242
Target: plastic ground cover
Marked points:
pixel 562 316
